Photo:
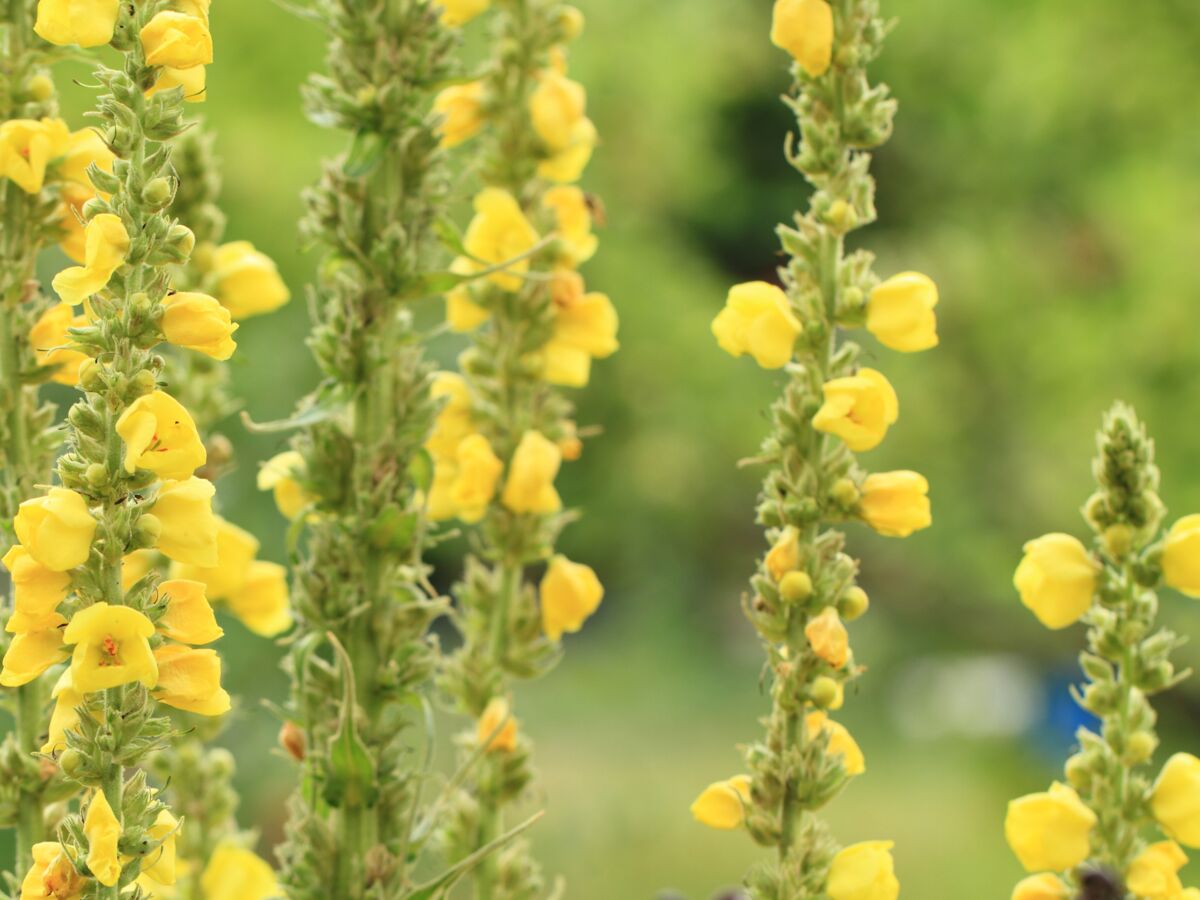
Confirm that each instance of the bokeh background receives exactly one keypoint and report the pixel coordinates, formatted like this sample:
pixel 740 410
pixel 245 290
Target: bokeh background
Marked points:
pixel 1045 171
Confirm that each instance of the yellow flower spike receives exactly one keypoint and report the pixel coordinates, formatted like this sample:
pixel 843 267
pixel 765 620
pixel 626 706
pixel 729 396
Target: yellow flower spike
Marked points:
pixel 1175 799
pixel 280 475
pixel 863 872
pixel 51 342
pixel 804 28
pixel 177 40
pixel 107 243
pixel 827 636
pixel 463 314
pixel 37 590
pixel 83 148
pixel 111 648
pixel 569 594
pixel 1154 873
pixel 858 409
pixel 159 435
pixel 159 865
pixel 103 831
pixel 499 716
pixel 189 617
pixel 784 555
pixel 194 82
pixel 236 550
pixel 1049 830
pixel 500 232
pixel 556 106
pixel 1040 887
pixel 261 602
pixel 189 528
pixel 841 742
pixel 57 529
pixel 456 13
pixel 248 282
pixel 757 319
pixel 135 566
pixel 529 487
pixel 65 716
pixel 461 109
pixel 453 422
pixel 896 504
pixel 722 805
pixel 1056 579
pixel 477 471
pixel 566 167
pixel 573 222
pixel 198 322
pixel 1181 556
pixel 26 148
pixel 52 874
pixel 88 23
pixel 32 652
pixel 190 680
pixel 232 867
pixel 900 313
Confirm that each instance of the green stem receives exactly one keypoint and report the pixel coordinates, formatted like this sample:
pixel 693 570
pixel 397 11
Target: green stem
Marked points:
pixel 30 823
pixel 491 820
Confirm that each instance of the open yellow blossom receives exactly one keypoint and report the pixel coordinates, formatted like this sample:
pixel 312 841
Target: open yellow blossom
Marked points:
pixel 460 12
pixel 827 636
pixel 189 528
pixel 236 550
pixel 500 725
pixel 107 243
pixel 72 239
pixel 841 742
pixel 51 342
pixel 1181 556
pixel 896 503
pixel 52 876
pixel 584 330
pixel 198 322
pixel 248 282
pixel 193 81
pixel 159 435
pixel 85 148
pixel 722 804
pixel 103 831
pixel 900 312
pixel 529 487
pixel 499 232
pixel 439 502
pixel 477 471
pixel 111 648
pixel 804 28
pixel 159 865
pixel 863 872
pixel 26 148
pixel 1056 579
pixel 261 602
pixel 56 529
pixel 1049 830
pixel 65 716
pixel 1175 800
pixel 1154 873
pixel 556 107
pixel 569 593
pixel 572 222
pixel 37 590
pixel 1040 887
pixel 463 314
pixel 758 320
pixel 461 109
pixel 190 680
pixel 858 409
pixel 280 475
pixel 189 617
pixel 32 652
pixel 453 421
pixel 784 555
pixel 566 166
pixel 88 23
pixel 177 40
pixel 234 873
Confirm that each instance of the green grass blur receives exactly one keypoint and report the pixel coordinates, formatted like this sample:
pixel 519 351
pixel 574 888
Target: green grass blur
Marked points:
pixel 1044 171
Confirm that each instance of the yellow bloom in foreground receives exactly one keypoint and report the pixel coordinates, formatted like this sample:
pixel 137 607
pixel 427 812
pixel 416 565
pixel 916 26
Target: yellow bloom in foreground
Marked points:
pixel 189 528
pixel 722 804
pixel 1049 830
pixel 177 40
pixel 51 342
pixel 1154 873
pixel 107 244
pixel 159 865
pixel 52 876
pixel 32 652
pixel 1056 579
pixel 198 322
pixel 233 873
pixel 477 469
pixel 827 636
pixel 248 282
pixel 461 109
pixel 111 648
pixel 841 742
pixel 529 487
pixel 189 617
pixel 804 28
pixel 460 12
pixel 896 503
pixel 236 550
pixel 26 148
pixel 159 435
pixel 56 529
pixel 193 81
pixel 858 409
pixel 103 830
pixel 37 590
pixel 1175 800
pixel 566 166
pixel 88 23
pixel 584 329
pixel 190 680
pixel 65 717
pixel 900 312
pixel 499 232
pixel 280 475
pixel 569 593
pixel 1181 556
pixel 863 872
pixel 556 107
pixel 499 716
pixel 758 320
pixel 261 602
pixel 572 222
pixel 784 555
pixel 1040 887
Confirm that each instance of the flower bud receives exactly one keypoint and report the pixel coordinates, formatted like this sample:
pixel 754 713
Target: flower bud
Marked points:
pixel 147 531
pixel 841 215
pixel 854 603
pixel 1140 747
pixel 142 383
pixel 90 376
pixel 40 88
pixel 845 493
pixel 181 239
pixel 1079 771
pixel 71 761
pixel 826 692
pixel 291 739
pixel 221 763
pixel 1118 540
pixel 157 193
pixel 96 475
pixel 571 22
pixel 796 587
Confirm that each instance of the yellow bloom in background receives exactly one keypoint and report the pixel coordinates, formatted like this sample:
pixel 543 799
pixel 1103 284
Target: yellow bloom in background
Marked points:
pixel 233 873
pixel 112 648
pixel 757 319
pixel 476 472
pixel 863 872
pixel 569 593
pixel 189 617
pixel 107 243
pixel 190 680
pixel 841 742
pixel 499 716
pixel 463 314
pixel 461 109
pixel 1154 873
pixel 529 487
pixel 1049 830
pixel 1175 800
pixel 159 865
pixel 858 409
pixel 26 148
pixel 1181 556
pixel 572 222
pixel 32 652
pixel 900 312
pixel 499 232
pixel 65 716
pixel 896 503
pixel 56 529
pixel 72 239
pixel 261 602
pixel 198 322
pixel 804 28
pixel 1040 887
pixel 453 421
pixel 177 40
pixel 460 12
pixel 584 330
pixel 566 166
pixel 103 831
pixel 439 503
pixel 722 804
pixel 51 342
pixel 784 555
pixel 37 591
pixel 194 82
pixel 827 636
pixel 135 566
pixel 88 23
pixel 83 149
pixel 556 107
pixel 189 528
pixel 159 435
pixel 236 550
pixel 280 475
pixel 248 282
pixel 1056 579
pixel 52 874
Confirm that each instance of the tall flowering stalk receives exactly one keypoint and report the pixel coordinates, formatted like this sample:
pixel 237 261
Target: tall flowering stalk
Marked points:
pixel 830 410
pixel 1112 830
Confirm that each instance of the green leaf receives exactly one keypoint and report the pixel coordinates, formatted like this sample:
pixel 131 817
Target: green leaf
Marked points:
pixel 439 887
pixel 325 407
pixel 351 777
pixel 420 469
pixel 448 233
pixel 365 154
pixel 392 529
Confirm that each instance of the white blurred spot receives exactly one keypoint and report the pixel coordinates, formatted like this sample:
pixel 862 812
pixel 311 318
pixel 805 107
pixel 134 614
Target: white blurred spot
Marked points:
pixel 978 697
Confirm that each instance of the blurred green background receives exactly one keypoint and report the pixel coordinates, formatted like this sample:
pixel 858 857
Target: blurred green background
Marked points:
pixel 1045 171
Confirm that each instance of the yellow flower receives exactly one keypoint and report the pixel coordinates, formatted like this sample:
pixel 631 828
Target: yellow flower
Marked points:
pixel 26 148
pixel 556 107
pixel 248 282
pixel 1175 800
pixel 65 717
pixel 784 555
pixel 177 40
pixel 37 590
pixel 189 528
pixel 135 566
pixel 900 312
pixel 236 549
pixel 841 742
pixel 52 876
pixel 1181 556
pixel 460 12
pixel 88 23
pixel 461 109
pixel 32 652
pixel 570 592
pixel 453 421
pixel 722 804
pixel 107 244
pixel 189 617
pixel 858 409
pixel 804 28
pixel 896 503
pixel 194 82
pixel 573 222
pixel 497 715
pixel 863 872
pixel 57 529
pixel 1056 579
pixel 758 320
pixel 584 330
pixel 73 233
pixel 261 603
pixel 51 342
pixel 1050 830
pixel 1154 873
pixel 198 322
pixel 567 166
pixel 280 475
pixel 463 314
pixel 236 874
pixel 190 680
pixel 529 487
pixel 83 149
pixel 499 232
pixel 1040 887
pixel 439 504
pixel 160 435
pixel 477 471
pixel 111 648
pixel 827 636
pixel 159 865
pixel 103 831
